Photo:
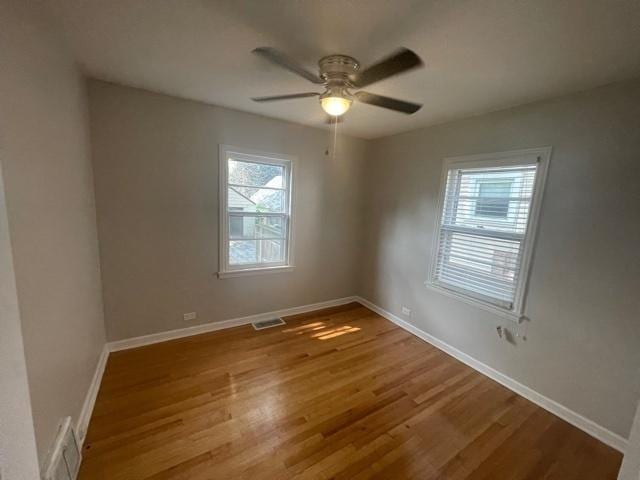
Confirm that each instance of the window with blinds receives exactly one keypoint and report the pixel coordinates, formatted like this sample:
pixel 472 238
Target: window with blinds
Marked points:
pixel 485 229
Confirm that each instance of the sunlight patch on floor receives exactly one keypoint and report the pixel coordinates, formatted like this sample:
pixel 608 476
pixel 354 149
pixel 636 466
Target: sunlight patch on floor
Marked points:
pixel 336 332
pixel 303 328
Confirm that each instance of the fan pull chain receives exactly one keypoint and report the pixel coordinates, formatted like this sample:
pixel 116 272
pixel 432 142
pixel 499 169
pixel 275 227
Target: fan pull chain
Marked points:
pixel 335 136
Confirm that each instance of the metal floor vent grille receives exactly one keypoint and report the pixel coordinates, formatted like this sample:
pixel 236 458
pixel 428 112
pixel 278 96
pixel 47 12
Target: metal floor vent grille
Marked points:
pixel 274 322
pixel 65 456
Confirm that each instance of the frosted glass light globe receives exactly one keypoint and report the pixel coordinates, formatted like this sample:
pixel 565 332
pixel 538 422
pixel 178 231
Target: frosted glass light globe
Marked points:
pixel 335 106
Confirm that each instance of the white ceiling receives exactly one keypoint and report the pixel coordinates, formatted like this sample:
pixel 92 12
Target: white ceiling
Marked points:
pixel 480 55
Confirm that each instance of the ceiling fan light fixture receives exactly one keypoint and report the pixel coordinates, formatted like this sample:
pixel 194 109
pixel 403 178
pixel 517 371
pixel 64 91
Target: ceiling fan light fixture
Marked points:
pixel 341 73
pixel 335 106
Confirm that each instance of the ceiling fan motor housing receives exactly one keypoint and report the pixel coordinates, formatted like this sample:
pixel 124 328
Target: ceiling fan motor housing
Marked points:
pixel 337 71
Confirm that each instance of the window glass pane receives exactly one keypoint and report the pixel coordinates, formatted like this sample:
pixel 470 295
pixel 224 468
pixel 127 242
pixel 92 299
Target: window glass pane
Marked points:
pixel 484 265
pixel 236 227
pixel 247 252
pixel 485 256
pixel 493 199
pixel 256 174
pixel 250 199
pixel 256 227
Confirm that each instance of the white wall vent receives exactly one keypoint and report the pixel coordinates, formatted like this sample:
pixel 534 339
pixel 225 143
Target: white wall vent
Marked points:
pixel 64 461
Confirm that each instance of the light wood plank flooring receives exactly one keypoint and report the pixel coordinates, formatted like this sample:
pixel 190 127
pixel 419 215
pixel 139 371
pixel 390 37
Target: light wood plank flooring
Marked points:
pixel 336 394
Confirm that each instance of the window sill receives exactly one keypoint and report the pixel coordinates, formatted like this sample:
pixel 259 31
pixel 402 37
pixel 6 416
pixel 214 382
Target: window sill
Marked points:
pixel 255 271
pixel 513 316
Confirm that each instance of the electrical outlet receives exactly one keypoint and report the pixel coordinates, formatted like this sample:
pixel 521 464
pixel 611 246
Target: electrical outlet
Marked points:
pixel 189 316
pixel 406 311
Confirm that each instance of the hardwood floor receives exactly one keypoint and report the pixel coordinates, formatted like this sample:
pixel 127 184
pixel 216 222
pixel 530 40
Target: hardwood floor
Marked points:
pixel 336 394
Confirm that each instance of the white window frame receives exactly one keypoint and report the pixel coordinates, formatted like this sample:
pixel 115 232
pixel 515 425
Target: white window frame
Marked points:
pixel 541 156
pixel 254 156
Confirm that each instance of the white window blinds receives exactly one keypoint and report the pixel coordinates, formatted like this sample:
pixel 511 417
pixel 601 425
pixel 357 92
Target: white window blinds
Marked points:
pixel 484 229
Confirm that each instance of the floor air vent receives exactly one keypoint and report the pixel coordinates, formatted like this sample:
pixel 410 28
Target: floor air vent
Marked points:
pixel 64 461
pixel 274 322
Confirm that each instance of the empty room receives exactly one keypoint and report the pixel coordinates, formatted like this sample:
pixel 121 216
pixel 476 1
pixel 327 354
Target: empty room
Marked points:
pixel 319 239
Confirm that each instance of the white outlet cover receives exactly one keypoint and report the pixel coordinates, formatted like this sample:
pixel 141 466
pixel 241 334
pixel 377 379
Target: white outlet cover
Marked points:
pixel 406 311
pixel 189 316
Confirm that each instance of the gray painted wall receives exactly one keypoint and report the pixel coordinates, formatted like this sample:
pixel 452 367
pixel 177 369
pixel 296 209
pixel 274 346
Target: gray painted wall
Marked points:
pixel 156 169
pixel 18 453
pixel 583 347
pixel 51 216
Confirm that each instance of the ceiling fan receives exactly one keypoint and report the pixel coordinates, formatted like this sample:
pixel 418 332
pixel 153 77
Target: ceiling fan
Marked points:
pixel 341 73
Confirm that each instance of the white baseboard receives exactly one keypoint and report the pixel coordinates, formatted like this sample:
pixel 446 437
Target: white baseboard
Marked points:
pixel 213 326
pixel 90 399
pixel 597 431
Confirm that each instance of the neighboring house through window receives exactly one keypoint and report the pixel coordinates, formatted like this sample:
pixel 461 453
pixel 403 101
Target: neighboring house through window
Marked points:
pixel 493 197
pixel 485 231
pixel 255 211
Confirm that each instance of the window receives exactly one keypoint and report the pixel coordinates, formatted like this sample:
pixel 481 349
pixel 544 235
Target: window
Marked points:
pixel 486 226
pixel 255 211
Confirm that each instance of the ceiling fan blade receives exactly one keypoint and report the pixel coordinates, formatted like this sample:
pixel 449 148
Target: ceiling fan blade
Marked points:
pixel 284 61
pixel 388 102
pixel 285 97
pixel 401 61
